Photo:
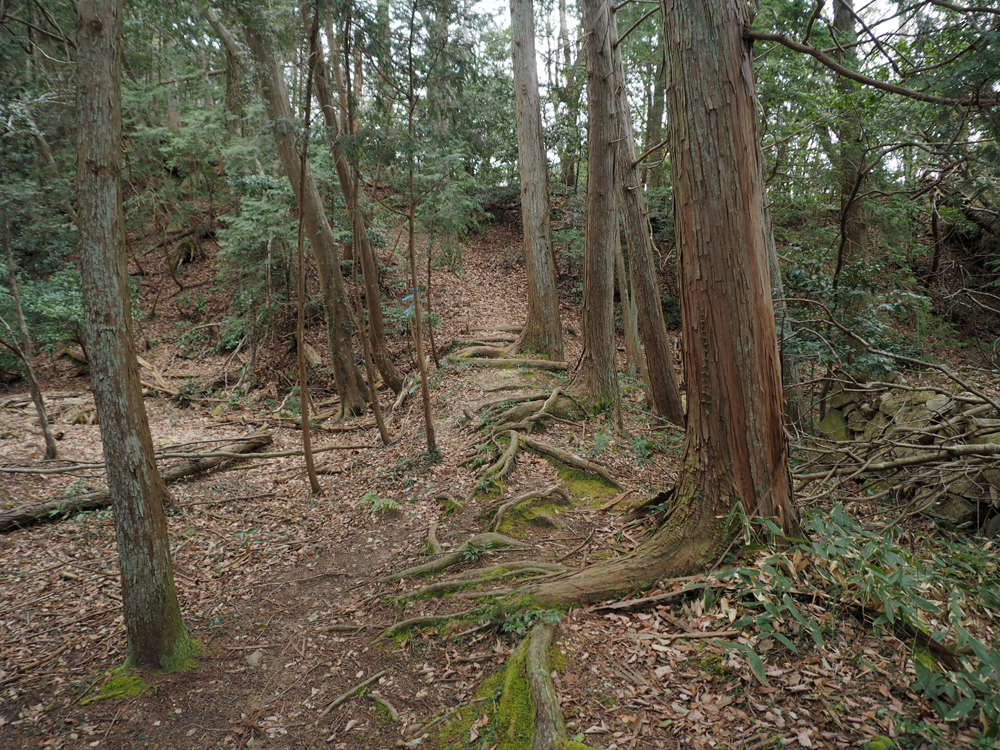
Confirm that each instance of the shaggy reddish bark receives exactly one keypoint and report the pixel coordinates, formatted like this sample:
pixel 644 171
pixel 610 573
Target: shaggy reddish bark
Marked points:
pixel 542 332
pixel 735 450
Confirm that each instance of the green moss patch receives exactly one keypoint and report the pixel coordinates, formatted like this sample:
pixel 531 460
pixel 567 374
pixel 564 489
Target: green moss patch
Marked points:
pixel 526 514
pixel 505 699
pixel 120 687
pixel 185 656
pixel 586 490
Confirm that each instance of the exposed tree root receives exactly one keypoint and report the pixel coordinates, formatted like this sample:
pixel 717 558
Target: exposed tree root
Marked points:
pixel 505 464
pixel 481 351
pixel 516 399
pixel 527 496
pixel 507 387
pixel 432 541
pixel 541 364
pixel 569 459
pixel 550 730
pixel 474 547
pixel 425 620
pixel 524 415
pixel 344 697
pixel 443 588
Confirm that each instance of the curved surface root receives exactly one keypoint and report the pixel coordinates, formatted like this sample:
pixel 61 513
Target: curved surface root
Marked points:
pixel 424 620
pixel 569 459
pixel 472 547
pixel 521 499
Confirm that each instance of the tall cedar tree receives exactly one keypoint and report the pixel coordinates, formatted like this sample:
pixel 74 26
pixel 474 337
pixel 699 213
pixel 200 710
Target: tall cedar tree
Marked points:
pixel 542 331
pixel 735 450
pixel 153 626
pixel 596 379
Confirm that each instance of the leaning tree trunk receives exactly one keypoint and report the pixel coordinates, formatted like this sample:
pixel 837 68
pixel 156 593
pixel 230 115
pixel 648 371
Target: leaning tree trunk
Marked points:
pixel 735 451
pixel 26 351
pixel 369 265
pixel 542 332
pixel 596 380
pixel 666 396
pixel 350 383
pixel 155 633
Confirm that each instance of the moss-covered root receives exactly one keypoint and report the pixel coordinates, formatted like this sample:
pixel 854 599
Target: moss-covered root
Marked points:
pixel 469 550
pixel 569 459
pixel 486 575
pixel 433 545
pixel 550 730
pixel 536 495
pixel 529 715
pixel 524 415
pixel 427 621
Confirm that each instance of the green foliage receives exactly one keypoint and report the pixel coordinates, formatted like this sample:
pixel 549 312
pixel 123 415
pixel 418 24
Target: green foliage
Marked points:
pixel 644 449
pixel 472 553
pixel 381 505
pixel 601 442
pixel 512 619
pixel 867 573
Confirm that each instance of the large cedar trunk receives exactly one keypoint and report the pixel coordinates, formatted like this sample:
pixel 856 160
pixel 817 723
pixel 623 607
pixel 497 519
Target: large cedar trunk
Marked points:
pixel 736 450
pixel 596 380
pixel 666 397
pixel 542 331
pixel 350 383
pixel 155 633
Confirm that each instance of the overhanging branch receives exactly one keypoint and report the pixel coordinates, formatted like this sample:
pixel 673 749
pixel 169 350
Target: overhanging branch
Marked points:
pixel 840 69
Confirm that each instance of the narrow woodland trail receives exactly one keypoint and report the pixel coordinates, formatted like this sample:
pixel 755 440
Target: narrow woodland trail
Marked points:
pixel 287 593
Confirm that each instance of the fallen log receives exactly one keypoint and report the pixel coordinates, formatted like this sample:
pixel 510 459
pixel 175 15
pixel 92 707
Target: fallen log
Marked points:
pixel 55 510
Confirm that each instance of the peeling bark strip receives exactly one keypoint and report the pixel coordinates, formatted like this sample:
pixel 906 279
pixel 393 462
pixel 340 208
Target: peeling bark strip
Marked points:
pixel 155 633
pixel 55 510
pixel 542 329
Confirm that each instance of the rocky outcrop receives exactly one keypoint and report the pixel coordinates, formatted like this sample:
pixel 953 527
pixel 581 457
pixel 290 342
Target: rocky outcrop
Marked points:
pixel 902 423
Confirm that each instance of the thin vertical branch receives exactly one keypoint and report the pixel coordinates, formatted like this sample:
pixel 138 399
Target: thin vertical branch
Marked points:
pixel 301 320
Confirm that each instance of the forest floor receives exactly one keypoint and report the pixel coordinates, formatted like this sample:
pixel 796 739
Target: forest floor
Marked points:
pixel 285 592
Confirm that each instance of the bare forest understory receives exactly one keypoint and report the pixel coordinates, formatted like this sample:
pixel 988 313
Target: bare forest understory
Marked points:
pixel 294 601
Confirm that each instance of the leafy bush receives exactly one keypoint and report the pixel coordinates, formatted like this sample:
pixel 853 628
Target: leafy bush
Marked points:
pixel 867 574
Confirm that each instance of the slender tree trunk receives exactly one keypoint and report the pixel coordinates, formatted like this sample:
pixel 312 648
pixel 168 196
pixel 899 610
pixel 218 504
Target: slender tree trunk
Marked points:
pixel 654 126
pixel 735 450
pixel 350 383
pixel 411 222
pixel 937 234
pixel 635 361
pixel 850 149
pixel 27 348
pixel 300 318
pixel 155 633
pixel 666 397
pixel 794 398
pixel 542 332
pixel 596 379
pixel 569 97
pixel 234 69
pixel 369 263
